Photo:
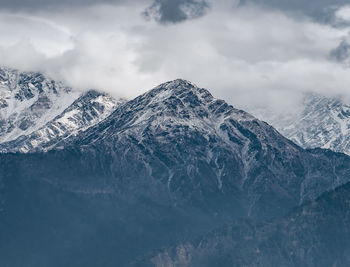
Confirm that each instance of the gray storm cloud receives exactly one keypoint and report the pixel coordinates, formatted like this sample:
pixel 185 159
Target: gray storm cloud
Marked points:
pixel 173 11
pixel 247 54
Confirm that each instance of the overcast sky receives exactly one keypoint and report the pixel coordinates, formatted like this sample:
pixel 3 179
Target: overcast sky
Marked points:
pixel 252 52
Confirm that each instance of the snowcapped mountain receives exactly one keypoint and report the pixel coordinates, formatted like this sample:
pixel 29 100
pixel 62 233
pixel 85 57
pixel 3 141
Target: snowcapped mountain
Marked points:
pixel 323 122
pixel 169 165
pixel 200 147
pixel 36 112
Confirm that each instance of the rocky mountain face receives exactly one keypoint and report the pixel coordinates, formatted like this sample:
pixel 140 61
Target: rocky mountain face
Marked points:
pixel 316 234
pixel 169 165
pixel 36 112
pixel 323 122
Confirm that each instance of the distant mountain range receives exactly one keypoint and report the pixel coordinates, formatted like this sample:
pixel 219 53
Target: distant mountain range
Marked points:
pixel 36 113
pixel 114 183
pixel 322 122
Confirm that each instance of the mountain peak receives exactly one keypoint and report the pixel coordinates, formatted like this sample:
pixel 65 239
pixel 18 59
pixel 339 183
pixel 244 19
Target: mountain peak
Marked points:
pixel 180 99
pixel 177 106
pixel 178 83
pixel 175 88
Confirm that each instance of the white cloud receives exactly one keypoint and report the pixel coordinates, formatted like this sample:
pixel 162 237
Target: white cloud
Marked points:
pixel 246 55
pixel 46 36
pixel 343 13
